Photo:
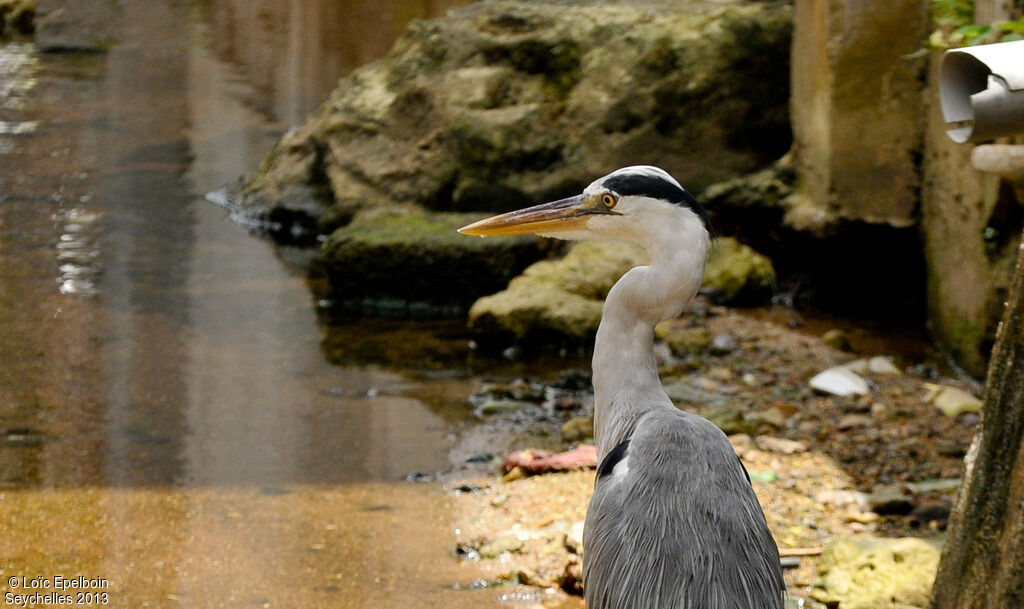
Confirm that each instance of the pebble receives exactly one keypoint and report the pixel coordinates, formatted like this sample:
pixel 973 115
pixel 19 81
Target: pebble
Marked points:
pixel 946 485
pixel 720 373
pixel 780 445
pixel 578 428
pixel 932 511
pixel 861 517
pixel 772 416
pixel 969 419
pixel 837 339
pixel 500 545
pixel 755 380
pixel 952 401
pixel 854 421
pixel 684 394
pixel 22 438
pixel 729 420
pixel 883 365
pixel 512 353
pixel 881 410
pixel 682 340
pixel 724 344
pixel 574 538
pixel 890 499
pixel 521 389
pixel 841 498
pixel 496 407
pixel 839 381
pixel 741 443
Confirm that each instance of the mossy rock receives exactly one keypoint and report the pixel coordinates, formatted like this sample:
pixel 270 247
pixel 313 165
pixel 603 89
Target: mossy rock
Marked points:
pixel 556 300
pixel 682 338
pixel 876 573
pixel 737 274
pixel 402 259
pixel 528 101
pixel 730 420
pixel 578 429
pixel 535 312
pixel 561 300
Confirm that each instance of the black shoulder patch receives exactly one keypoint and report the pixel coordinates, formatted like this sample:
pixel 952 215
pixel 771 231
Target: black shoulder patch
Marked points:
pixel 612 459
pixel 646 185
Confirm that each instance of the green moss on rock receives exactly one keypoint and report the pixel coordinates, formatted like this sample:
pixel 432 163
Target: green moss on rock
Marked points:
pixel 561 300
pixel 737 273
pixel 402 257
pixel 558 300
pixel 682 338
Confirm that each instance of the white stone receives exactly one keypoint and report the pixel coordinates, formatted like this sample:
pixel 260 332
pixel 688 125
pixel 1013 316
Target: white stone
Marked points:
pixel 839 381
pixel 953 401
pixel 883 365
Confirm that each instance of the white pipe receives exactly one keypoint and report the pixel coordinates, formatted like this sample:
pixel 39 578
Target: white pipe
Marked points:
pixel 982 91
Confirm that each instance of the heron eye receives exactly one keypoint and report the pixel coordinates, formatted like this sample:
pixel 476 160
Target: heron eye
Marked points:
pixel 609 200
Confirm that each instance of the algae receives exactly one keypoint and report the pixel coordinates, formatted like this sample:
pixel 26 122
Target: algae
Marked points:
pixel 394 257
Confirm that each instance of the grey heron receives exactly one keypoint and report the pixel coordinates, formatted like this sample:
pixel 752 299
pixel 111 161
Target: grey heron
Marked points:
pixel 673 521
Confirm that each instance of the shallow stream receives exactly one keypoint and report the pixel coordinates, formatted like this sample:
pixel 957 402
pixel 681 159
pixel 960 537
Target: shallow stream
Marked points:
pixel 171 424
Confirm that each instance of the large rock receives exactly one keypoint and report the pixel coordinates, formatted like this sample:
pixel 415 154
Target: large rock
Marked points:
pixel 736 273
pixel 556 300
pixel 403 260
pixel 506 103
pixel 561 300
pixel 876 573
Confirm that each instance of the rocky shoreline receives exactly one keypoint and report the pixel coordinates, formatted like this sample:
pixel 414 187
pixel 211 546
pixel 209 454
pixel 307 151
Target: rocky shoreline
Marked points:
pixel 833 472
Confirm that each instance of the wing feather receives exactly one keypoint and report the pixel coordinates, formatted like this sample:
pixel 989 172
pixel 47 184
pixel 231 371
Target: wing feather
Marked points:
pixel 680 527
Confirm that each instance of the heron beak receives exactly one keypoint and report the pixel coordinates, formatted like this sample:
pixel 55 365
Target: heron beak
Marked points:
pixel 557 216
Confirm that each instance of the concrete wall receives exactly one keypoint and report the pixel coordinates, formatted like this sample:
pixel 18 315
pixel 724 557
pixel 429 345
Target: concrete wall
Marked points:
pixel 870 146
pixel 971 224
pixel 857 120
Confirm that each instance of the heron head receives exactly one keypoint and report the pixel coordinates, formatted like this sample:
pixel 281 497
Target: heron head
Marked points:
pixel 640 204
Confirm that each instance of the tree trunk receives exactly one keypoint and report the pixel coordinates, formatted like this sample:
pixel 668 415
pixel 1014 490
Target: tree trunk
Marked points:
pixel 982 564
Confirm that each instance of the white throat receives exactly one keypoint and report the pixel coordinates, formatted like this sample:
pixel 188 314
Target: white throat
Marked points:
pixel 626 383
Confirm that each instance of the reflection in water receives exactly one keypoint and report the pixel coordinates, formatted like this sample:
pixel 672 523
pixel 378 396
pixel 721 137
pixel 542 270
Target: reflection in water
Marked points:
pixel 292 68
pixel 169 421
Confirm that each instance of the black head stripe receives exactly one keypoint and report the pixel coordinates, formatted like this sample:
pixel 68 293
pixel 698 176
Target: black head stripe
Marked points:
pixel 655 187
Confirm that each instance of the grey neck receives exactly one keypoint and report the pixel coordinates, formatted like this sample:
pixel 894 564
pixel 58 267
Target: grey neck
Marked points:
pixel 626 383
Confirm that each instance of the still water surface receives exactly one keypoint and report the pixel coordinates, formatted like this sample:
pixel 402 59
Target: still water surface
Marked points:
pixel 170 423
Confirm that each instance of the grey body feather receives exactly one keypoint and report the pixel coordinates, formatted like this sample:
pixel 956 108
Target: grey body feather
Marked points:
pixel 673 522
pixel 681 527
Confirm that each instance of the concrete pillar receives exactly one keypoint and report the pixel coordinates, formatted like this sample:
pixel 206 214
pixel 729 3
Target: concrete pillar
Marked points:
pixel 856 109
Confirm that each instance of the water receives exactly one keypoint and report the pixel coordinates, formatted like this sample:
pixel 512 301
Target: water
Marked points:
pixel 170 422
